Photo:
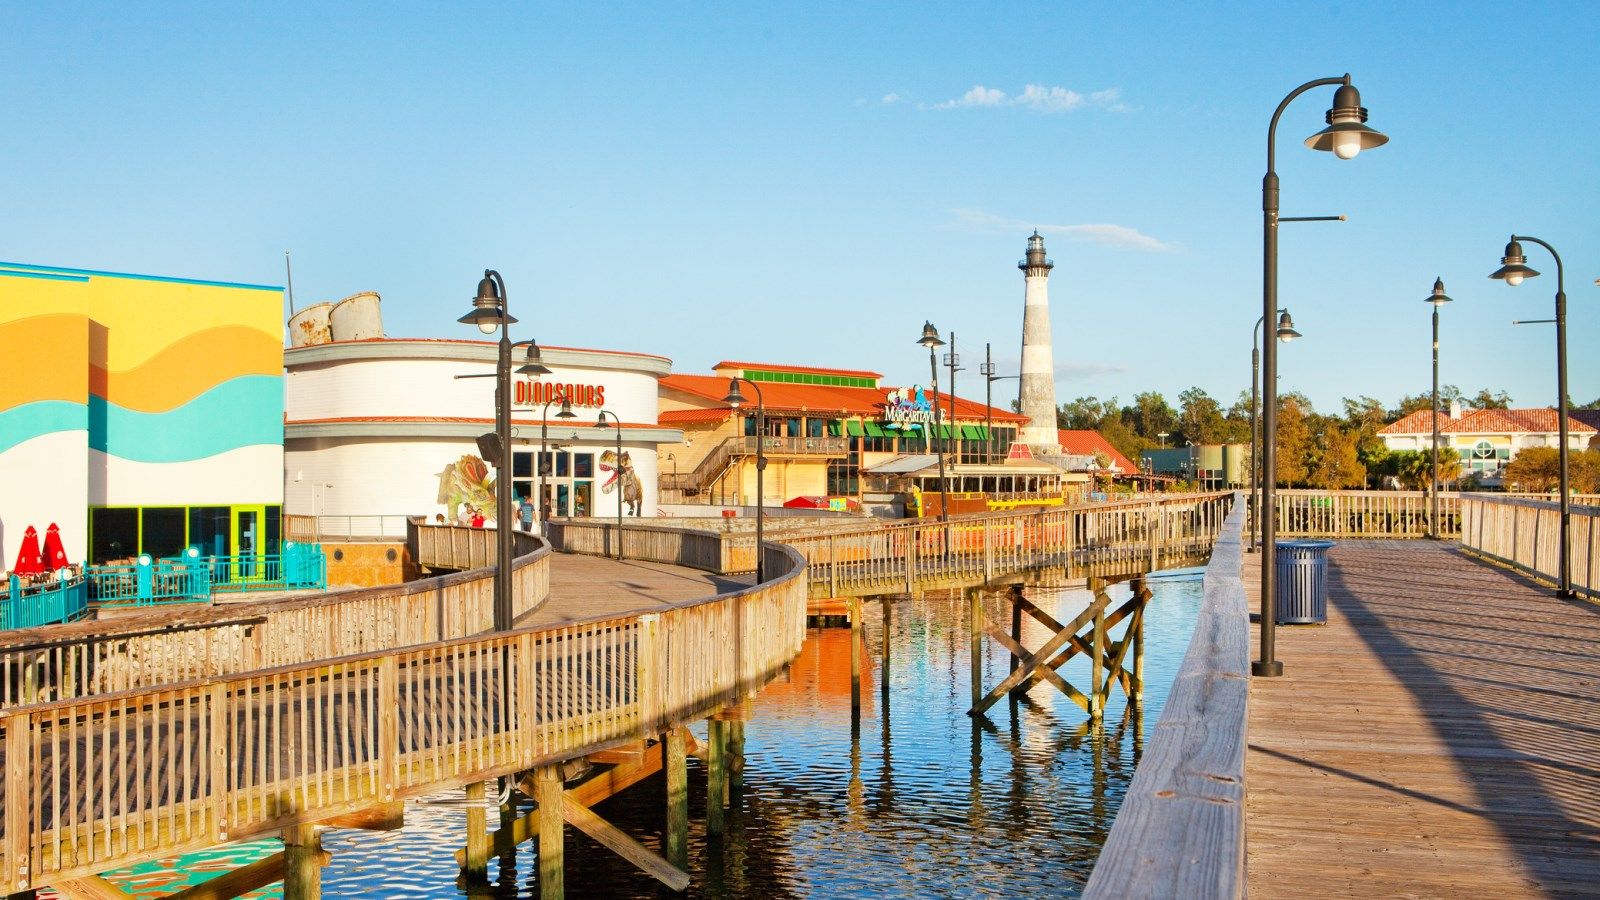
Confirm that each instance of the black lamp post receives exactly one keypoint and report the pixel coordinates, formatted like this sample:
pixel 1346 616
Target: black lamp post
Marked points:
pixel 1438 299
pixel 930 339
pixel 491 312
pixel 1346 135
pixel 952 360
pixel 544 439
pixel 736 400
pixel 989 377
pixel 600 422
pixel 1513 270
pixel 1286 333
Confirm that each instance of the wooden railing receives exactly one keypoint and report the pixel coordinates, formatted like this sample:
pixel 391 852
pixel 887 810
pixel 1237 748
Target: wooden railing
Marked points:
pixel 1180 830
pixel 708 551
pixel 95 784
pixel 1363 514
pixel 1526 535
pixel 972 549
pixel 129 652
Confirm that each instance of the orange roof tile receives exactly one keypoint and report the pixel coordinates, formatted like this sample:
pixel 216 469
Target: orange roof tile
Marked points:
pixel 1088 443
pixel 815 370
pixel 844 401
pixel 694 416
pixel 1488 421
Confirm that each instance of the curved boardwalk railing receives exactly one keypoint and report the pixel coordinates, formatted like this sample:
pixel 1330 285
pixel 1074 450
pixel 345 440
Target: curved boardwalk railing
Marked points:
pixel 98 656
pixel 1376 514
pixel 1142 534
pixel 1526 535
pixel 1180 829
pixel 98 783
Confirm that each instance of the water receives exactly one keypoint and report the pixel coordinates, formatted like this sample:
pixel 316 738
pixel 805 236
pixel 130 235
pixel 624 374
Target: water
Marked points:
pixel 918 800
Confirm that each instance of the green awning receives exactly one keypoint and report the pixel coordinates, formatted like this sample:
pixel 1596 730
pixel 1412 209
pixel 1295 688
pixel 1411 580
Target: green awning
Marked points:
pixel 854 427
pixel 876 430
pixel 972 432
pixel 833 429
pixel 942 431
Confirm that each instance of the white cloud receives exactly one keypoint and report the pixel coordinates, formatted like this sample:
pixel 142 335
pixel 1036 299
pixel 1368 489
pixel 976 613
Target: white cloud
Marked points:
pixel 892 97
pixel 1080 371
pixel 1037 97
pixel 1103 233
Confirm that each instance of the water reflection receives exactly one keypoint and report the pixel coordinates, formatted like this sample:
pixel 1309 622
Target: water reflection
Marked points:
pixel 927 801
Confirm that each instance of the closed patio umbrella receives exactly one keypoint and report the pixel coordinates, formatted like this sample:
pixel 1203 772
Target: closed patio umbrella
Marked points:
pixel 55 555
pixel 28 561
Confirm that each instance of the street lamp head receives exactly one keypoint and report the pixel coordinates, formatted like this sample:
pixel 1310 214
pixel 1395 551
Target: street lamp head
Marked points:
pixel 930 336
pixel 534 363
pixel 1513 268
pixel 1438 298
pixel 1347 133
pixel 1286 332
pixel 601 422
pixel 734 398
pixel 566 410
pixel 488 308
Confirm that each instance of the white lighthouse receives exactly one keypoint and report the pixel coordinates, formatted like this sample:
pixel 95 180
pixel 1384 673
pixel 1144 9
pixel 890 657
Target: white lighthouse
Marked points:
pixel 1038 393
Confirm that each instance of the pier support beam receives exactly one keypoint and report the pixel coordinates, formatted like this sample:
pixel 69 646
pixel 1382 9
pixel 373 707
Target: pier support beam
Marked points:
pixel 476 868
pixel 976 622
pixel 1016 635
pixel 552 841
pixel 888 642
pixel 716 776
pixel 735 760
pixel 854 604
pixel 1097 700
pixel 302 863
pixel 675 760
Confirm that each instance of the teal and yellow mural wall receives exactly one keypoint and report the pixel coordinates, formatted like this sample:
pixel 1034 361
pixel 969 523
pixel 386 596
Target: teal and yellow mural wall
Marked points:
pixel 134 393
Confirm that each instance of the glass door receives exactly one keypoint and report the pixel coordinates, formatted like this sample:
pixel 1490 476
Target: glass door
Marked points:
pixel 248 562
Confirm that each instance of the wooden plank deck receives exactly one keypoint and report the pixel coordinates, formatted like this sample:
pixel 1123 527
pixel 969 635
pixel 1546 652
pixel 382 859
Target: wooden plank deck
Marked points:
pixel 1440 736
pixel 582 587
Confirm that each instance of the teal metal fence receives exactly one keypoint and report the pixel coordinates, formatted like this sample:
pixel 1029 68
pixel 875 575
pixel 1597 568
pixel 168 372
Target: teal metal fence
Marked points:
pixel 45 603
pixel 192 578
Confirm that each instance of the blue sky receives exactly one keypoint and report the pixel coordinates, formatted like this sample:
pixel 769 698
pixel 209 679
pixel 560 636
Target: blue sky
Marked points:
pixel 808 183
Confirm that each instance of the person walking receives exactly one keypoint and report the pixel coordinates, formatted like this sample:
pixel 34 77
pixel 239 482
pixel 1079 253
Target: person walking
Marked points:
pixel 525 513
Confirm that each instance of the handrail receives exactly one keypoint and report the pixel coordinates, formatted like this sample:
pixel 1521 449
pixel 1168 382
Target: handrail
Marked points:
pixel 178 642
pixel 1525 534
pixel 223 759
pixel 1180 829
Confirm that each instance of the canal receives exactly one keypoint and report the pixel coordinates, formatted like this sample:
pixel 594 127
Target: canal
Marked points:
pixel 915 799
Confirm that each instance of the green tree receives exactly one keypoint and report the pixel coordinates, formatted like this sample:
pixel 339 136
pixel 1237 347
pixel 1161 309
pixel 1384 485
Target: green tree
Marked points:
pixel 1294 440
pixel 1536 469
pixel 1415 471
pixel 1487 399
pixel 1339 465
pixel 1424 400
pixel 1085 413
pixel 1200 417
pixel 1150 415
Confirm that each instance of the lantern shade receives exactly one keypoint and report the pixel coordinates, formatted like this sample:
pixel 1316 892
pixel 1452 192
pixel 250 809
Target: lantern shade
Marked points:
pixel 533 363
pixel 1513 266
pixel 1286 331
pixel 1347 133
pixel 1438 297
pixel 734 398
pixel 930 336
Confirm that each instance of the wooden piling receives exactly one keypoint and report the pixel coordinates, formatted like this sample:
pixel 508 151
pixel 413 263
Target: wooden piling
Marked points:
pixel 302 863
pixel 735 759
pixel 476 868
pixel 716 776
pixel 1097 674
pixel 854 606
pixel 976 622
pixel 675 762
pixel 552 839
pixel 1016 632
pixel 888 642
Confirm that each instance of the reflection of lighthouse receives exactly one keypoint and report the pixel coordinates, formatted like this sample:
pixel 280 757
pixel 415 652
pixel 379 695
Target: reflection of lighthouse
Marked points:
pixel 1038 394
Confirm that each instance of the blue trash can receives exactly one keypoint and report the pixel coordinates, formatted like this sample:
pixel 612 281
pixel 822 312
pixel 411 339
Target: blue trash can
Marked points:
pixel 1301 596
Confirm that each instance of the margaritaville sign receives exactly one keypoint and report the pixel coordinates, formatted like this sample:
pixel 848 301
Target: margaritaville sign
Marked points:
pixel 907 409
pixel 538 393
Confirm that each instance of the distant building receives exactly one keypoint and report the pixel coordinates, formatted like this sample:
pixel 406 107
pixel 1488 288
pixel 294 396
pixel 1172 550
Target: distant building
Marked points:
pixel 1212 466
pixel 1090 444
pixel 1486 439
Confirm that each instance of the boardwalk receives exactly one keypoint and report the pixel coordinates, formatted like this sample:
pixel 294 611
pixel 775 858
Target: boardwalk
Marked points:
pixel 1439 737
pixel 582 587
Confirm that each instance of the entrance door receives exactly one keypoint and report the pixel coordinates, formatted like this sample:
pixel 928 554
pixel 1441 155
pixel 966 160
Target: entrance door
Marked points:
pixel 249 544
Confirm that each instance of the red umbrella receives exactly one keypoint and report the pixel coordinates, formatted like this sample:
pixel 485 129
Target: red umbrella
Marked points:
pixel 55 555
pixel 28 561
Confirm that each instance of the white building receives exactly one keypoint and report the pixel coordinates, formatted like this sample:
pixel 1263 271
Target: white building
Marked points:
pixel 372 425
pixel 1485 439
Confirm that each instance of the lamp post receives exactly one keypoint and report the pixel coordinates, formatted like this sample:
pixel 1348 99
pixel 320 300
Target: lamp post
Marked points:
pixel 600 422
pixel 1513 271
pixel 736 400
pixel 989 377
pixel 544 439
pixel 491 312
pixel 1162 436
pixel 930 339
pixel 1438 299
pixel 953 361
pixel 1346 135
pixel 1194 465
pixel 1286 333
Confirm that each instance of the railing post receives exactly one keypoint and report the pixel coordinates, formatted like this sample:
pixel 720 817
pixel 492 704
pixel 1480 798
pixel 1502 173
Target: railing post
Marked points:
pixel 911 560
pixel 388 726
pixel 833 567
pixel 645 675
pixel 988 551
pixel 19 824
pixel 220 794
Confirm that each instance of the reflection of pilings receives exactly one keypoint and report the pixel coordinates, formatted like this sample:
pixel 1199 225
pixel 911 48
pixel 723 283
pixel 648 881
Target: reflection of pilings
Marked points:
pixel 975 621
pixel 888 643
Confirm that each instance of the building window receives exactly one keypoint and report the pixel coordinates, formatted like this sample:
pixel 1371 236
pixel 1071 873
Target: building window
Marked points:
pixel 116 534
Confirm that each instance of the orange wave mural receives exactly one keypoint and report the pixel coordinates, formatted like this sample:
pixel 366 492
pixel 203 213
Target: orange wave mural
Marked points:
pixel 33 360
pixel 188 368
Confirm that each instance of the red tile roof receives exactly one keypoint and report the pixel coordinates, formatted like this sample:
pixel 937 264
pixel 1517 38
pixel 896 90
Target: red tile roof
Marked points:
pixel 845 402
pixel 1088 443
pixel 1487 421
pixel 813 370
pixel 694 416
